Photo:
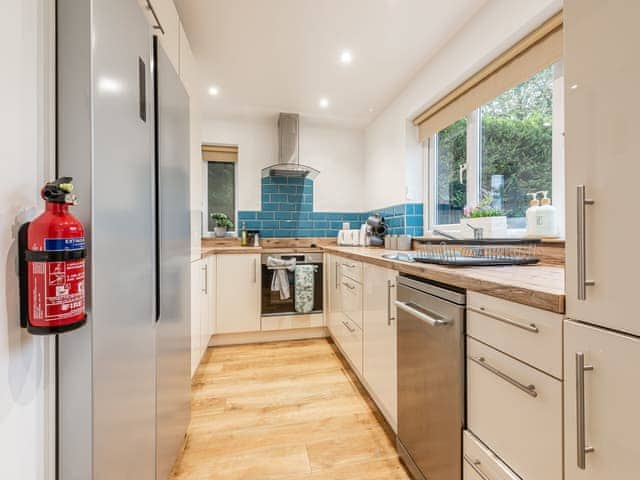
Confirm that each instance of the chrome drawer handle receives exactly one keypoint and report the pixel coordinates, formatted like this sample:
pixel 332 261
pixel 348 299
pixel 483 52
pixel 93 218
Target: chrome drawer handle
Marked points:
pixel 349 265
pixel 434 322
pixel 390 285
pixel 580 411
pixel 532 327
pixel 348 327
pixel 475 464
pixel 528 389
pixel 349 286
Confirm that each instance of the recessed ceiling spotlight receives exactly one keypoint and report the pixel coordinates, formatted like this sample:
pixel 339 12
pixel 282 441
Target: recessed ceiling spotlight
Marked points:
pixel 324 102
pixel 345 57
pixel 214 91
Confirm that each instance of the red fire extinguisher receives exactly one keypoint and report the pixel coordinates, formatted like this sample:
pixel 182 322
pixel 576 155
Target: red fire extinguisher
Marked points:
pixel 52 265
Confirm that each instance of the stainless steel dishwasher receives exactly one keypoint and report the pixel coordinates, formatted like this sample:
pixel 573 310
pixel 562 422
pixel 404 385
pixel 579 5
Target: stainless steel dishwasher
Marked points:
pixel 431 408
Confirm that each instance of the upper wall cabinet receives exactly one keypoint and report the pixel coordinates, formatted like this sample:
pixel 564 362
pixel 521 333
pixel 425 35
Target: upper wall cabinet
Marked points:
pixel 167 16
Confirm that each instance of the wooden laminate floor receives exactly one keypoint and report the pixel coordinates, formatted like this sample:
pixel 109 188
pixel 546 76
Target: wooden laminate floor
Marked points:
pixel 283 411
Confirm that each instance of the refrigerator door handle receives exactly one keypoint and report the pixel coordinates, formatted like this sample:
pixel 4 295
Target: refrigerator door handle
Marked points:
pixel 582 202
pixel 580 411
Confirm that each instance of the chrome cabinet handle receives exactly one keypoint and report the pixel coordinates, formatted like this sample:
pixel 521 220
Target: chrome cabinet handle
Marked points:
pixel 348 327
pixel 255 271
pixel 580 411
pixel 583 283
pixel 349 265
pixel 349 286
pixel 205 269
pixel 475 464
pixel 531 327
pixel 434 322
pixel 337 272
pixel 390 285
pixel 528 389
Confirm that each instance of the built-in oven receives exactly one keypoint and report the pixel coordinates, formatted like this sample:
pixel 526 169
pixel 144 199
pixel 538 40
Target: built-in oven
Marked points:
pixel 272 302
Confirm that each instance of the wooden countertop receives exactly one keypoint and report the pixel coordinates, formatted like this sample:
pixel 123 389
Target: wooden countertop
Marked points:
pixel 538 286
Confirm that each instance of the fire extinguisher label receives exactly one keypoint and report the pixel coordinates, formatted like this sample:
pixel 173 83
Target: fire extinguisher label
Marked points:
pixel 58 287
pixel 56 244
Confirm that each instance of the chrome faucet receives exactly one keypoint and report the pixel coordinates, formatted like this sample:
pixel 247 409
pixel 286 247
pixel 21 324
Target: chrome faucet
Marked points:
pixel 478 232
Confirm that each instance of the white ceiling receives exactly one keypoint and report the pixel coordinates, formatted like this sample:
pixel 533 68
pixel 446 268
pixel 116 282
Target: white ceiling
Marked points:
pixel 268 56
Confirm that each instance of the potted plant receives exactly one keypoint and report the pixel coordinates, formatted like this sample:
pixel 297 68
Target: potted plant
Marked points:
pixel 492 220
pixel 223 223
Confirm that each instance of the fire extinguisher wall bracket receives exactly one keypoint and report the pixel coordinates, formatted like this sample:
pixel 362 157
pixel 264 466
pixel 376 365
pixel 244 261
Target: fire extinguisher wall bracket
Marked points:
pixel 25 255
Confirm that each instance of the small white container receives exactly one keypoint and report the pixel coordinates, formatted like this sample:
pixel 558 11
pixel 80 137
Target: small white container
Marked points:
pixel 393 242
pixel 404 242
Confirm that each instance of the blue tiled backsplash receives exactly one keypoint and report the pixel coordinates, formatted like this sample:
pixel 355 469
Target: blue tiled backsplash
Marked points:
pixel 287 211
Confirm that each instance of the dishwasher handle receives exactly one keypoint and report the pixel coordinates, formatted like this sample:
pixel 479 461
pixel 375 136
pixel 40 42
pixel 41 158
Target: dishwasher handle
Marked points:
pixel 433 321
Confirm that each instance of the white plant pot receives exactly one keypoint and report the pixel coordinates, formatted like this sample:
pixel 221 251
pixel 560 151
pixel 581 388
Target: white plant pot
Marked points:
pixel 220 231
pixel 492 227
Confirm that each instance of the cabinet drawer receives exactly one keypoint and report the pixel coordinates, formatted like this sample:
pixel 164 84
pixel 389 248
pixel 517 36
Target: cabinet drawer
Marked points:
pixel 349 339
pixel 480 463
pixel 529 334
pixel 351 269
pixel 516 411
pixel 352 300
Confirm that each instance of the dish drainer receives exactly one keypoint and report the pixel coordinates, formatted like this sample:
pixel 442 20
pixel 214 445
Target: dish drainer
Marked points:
pixel 470 253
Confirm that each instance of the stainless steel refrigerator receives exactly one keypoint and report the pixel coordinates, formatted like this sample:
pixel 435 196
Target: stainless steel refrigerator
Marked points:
pixel 123 135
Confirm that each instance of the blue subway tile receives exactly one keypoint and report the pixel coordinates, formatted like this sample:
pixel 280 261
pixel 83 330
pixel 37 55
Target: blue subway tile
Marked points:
pixel 283 216
pixel 305 224
pixel 305 207
pixel 411 209
pixel 307 198
pixel 399 210
pixel 419 209
pixel 265 215
pixel 302 215
pixel 308 189
pixel 331 233
pixel 266 197
pixel 336 225
pixel 252 224
pixel 278 180
pixel 414 220
pixel 295 181
pixel 270 189
pixel 278 197
pixel 294 198
pixel 351 217
pixel 321 224
pixel 247 215
pixel 284 233
pixel 318 216
pixel 308 181
pixel 269 224
pixel 317 233
pixel 288 189
pixel 270 207
pixel 266 181
pixel 267 233
pixel 287 224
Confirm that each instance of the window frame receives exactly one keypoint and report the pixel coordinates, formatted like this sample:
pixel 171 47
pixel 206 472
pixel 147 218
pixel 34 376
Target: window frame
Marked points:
pixel 206 233
pixel 474 166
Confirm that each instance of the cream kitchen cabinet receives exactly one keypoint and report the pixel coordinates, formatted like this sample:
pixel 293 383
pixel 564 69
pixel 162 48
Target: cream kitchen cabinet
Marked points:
pixel 602 75
pixel 212 282
pixel 379 351
pixel 334 294
pixel 238 293
pixel 602 395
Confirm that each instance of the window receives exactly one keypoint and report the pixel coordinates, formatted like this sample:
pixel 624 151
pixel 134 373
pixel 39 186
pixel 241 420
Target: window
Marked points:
pixel 221 190
pixel 499 153
pixel 219 179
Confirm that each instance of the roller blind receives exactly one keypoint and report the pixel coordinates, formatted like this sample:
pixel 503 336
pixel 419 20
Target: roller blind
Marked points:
pixel 533 53
pixel 219 153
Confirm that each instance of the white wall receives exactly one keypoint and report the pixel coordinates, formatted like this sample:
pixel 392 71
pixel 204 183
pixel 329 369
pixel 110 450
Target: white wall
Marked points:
pixel 393 156
pixel 338 152
pixel 23 384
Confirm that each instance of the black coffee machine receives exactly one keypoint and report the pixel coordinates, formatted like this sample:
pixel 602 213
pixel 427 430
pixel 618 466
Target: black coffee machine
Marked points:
pixel 376 229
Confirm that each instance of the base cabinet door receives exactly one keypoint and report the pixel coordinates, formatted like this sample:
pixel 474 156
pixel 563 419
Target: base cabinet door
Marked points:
pixel 334 293
pixel 380 359
pixel 602 397
pixel 238 293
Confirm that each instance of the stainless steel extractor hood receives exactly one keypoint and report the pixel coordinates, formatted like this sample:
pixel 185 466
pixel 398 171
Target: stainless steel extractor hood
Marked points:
pixel 288 151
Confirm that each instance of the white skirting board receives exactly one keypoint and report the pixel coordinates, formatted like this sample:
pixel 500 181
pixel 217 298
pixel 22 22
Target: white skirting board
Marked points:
pixel 268 336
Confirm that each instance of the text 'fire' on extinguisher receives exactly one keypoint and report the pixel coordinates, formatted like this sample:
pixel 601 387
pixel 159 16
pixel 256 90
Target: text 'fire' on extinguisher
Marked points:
pixel 52 265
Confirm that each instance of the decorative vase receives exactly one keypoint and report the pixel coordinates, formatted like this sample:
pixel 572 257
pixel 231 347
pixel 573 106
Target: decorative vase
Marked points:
pixel 220 231
pixel 492 227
